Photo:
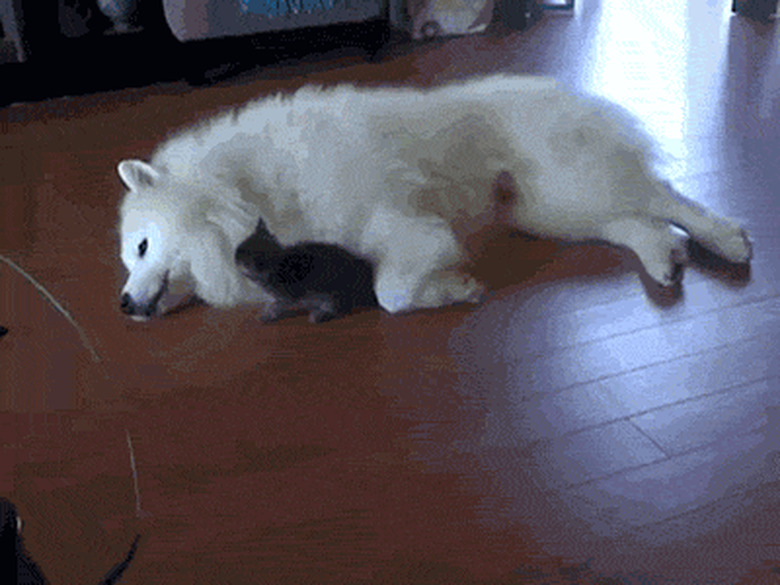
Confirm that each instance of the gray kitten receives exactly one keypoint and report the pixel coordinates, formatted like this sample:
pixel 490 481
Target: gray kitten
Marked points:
pixel 322 280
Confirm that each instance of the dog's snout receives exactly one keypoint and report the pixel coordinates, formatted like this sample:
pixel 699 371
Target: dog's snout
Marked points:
pixel 136 308
pixel 126 304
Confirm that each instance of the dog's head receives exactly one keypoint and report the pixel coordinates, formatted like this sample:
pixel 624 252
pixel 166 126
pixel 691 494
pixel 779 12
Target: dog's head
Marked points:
pixel 152 236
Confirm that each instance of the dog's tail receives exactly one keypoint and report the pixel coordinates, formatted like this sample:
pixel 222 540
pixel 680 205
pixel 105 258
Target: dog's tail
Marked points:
pixel 716 233
pixel 115 573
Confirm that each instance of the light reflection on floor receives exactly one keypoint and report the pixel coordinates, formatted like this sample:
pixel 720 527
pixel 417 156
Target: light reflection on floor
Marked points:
pixel 638 59
pixel 687 71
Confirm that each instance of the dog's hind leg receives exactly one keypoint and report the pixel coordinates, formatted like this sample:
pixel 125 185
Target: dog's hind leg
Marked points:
pixel 661 252
pixel 718 234
pixel 417 257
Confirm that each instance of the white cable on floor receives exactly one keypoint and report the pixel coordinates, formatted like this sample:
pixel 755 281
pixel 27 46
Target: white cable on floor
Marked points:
pixel 49 297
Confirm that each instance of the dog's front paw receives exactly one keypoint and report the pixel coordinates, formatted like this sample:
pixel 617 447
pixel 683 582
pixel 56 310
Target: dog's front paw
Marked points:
pixel 394 300
pixel 448 288
pixel 394 290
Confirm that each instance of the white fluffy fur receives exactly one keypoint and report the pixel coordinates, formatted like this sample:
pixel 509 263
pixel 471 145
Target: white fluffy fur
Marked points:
pixel 399 176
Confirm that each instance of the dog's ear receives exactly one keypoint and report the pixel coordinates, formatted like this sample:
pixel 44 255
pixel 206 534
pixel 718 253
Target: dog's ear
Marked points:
pixel 136 174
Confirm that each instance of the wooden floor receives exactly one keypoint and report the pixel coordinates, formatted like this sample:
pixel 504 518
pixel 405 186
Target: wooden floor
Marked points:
pixel 577 427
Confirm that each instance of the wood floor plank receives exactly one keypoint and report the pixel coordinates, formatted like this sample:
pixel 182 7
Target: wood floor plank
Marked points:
pixel 651 388
pixel 546 370
pixel 683 427
pixel 601 451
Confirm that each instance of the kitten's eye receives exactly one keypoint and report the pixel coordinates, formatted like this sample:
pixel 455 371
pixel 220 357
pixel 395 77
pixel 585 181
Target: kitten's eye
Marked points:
pixel 142 248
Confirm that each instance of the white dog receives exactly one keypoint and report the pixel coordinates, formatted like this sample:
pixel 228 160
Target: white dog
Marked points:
pixel 399 177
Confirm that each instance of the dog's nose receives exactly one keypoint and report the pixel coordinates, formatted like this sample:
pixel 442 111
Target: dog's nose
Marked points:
pixel 126 304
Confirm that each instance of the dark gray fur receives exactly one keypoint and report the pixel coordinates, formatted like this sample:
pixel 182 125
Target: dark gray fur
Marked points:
pixel 322 280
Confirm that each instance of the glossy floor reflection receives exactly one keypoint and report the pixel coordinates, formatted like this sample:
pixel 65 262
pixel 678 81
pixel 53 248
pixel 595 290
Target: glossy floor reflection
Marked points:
pixel 575 427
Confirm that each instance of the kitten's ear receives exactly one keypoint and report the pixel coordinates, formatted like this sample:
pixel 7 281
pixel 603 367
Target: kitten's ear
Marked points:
pixel 136 174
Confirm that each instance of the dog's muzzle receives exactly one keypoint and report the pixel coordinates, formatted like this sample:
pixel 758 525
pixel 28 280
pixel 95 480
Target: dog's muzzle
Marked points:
pixel 142 310
pixel 130 307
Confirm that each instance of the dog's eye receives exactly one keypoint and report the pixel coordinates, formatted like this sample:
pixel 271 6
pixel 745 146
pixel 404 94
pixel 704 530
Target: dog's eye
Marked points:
pixel 142 248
